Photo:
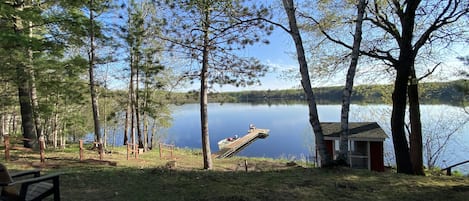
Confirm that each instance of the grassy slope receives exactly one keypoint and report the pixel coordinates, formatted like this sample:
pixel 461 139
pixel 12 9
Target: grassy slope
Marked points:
pixel 149 179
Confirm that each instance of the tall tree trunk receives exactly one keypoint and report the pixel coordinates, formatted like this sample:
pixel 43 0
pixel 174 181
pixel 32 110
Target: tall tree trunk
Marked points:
pixel 24 93
pixel 93 91
pixel 401 147
pixel 306 83
pixel 34 101
pixel 415 136
pixel 26 108
pixel 137 106
pixel 203 94
pixel 347 93
pixel 399 97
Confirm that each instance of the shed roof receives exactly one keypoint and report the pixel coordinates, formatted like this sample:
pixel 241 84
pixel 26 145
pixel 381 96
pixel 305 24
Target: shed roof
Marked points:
pixel 358 130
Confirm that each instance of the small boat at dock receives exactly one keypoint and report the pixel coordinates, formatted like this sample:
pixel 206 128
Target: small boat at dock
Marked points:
pixel 225 142
pixel 232 145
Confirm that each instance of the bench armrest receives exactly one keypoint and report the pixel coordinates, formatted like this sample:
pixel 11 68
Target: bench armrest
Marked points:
pixel 29 181
pixel 35 172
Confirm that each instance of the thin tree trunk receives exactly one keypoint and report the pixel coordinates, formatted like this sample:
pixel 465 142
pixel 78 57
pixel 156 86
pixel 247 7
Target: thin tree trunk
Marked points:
pixel 55 128
pixel 203 94
pixel 13 124
pixel 306 83
pixel 147 138
pixel 347 93
pixel 132 99
pixel 415 136
pixel 127 114
pixel 94 96
pixel 105 127
pixel 2 123
pixel 145 116
pixel 62 135
pixel 153 134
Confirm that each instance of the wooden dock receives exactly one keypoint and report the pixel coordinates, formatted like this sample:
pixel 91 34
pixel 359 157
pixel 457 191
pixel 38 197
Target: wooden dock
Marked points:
pixel 242 142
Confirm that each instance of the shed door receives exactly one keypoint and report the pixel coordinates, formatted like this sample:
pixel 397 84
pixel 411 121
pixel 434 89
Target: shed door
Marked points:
pixel 376 156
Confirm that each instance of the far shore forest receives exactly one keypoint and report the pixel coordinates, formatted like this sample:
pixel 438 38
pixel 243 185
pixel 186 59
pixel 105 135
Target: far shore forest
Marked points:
pixel 449 93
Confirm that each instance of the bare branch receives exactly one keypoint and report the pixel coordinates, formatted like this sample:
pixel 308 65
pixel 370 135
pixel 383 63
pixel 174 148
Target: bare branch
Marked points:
pixel 429 72
pixel 383 22
pixel 441 21
pixel 276 24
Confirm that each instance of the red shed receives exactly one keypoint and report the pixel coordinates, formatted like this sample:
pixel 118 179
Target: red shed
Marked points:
pixel 365 144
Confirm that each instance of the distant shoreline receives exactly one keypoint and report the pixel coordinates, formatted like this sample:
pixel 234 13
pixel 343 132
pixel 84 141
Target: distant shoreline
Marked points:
pixel 453 93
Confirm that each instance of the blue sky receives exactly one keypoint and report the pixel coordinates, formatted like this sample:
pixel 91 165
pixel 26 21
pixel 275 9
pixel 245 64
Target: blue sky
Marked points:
pixel 280 55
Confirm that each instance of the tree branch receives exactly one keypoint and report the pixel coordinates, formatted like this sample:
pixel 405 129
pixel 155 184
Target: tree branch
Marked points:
pixel 276 24
pixel 429 72
pixel 441 21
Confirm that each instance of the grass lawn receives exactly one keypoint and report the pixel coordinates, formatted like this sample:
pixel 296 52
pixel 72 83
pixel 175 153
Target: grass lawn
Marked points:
pixel 149 178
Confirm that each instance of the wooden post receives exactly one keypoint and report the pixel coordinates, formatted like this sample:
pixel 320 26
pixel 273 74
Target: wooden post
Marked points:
pixel 136 150
pixel 161 154
pixel 81 150
pixel 128 150
pixel 41 149
pixel 100 149
pixel 6 139
pixel 448 171
pixel 246 165
pixel 172 149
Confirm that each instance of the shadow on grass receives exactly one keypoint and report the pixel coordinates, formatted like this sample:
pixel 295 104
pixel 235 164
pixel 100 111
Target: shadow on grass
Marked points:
pixel 106 183
pixel 149 179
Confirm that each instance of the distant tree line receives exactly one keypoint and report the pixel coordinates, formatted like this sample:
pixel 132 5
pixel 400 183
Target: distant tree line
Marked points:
pixel 451 93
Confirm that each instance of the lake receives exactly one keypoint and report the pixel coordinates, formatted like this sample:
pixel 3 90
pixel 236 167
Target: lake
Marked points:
pixel 291 135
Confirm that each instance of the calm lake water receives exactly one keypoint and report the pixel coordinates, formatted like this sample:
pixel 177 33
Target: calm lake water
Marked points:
pixel 291 136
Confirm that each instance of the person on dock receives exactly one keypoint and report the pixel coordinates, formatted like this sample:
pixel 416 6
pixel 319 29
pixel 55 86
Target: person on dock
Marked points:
pixel 251 127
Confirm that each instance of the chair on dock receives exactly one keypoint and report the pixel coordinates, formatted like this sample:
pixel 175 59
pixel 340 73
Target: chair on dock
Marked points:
pixel 16 187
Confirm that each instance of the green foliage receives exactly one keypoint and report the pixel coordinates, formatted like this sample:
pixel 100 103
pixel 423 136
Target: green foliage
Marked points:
pixel 230 26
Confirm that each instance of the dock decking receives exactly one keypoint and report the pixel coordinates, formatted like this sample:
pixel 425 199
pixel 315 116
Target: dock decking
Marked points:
pixel 236 146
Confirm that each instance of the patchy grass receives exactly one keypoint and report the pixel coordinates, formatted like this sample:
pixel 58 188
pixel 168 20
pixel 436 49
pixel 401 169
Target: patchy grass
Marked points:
pixel 152 178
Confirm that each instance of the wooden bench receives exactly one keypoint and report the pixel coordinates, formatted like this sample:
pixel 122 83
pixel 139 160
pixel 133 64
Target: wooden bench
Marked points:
pixel 28 185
